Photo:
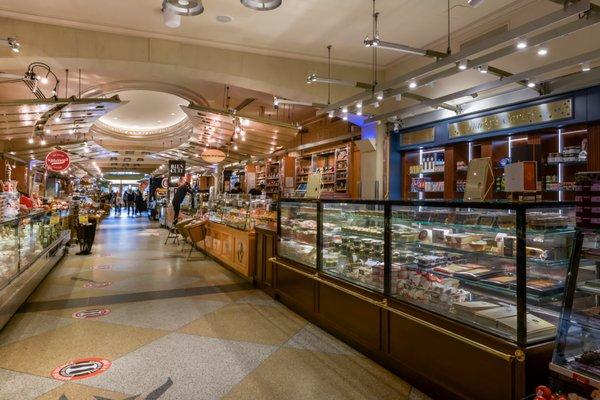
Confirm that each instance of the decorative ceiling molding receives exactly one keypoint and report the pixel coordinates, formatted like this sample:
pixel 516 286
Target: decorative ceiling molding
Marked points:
pixel 182 129
pixel 120 86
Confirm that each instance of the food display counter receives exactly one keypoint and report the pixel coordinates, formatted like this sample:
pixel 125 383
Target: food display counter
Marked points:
pixel 432 288
pixel 30 246
pixel 230 233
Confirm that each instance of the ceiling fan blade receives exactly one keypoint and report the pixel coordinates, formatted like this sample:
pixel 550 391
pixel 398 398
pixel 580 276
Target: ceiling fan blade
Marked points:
pixel 244 103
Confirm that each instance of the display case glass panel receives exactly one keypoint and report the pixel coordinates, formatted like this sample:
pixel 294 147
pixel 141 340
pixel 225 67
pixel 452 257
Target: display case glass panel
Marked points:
pixel 353 243
pixel 9 251
pixel 263 212
pixel 453 261
pixel 577 350
pixel 298 232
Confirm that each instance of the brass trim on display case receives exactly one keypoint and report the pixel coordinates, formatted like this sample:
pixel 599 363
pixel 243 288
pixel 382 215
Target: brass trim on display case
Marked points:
pixel 519 355
pixel 540 113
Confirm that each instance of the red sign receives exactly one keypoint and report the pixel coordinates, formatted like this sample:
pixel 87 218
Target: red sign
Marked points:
pixel 57 161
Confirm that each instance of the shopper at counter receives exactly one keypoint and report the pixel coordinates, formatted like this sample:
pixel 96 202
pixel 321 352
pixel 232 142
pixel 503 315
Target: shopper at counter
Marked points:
pixel 178 198
pixel 257 191
pixel 237 188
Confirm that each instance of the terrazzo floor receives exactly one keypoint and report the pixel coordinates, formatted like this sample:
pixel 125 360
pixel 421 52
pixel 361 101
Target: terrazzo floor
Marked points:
pixel 169 328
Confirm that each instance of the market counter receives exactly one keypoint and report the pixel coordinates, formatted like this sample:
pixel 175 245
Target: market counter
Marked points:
pixel 30 247
pixel 234 248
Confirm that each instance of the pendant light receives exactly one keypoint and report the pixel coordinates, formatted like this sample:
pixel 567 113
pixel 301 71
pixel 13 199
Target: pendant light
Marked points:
pixel 187 8
pixel 171 19
pixel 262 5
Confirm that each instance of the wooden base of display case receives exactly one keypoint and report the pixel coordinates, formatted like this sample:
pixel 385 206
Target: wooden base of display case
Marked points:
pixel 18 290
pixel 266 243
pixel 442 357
pixel 232 247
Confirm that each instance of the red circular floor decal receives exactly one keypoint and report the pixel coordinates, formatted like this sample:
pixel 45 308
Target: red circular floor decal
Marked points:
pixel 102 267
pixel 89 285
pixel 81 369
pixel 95 313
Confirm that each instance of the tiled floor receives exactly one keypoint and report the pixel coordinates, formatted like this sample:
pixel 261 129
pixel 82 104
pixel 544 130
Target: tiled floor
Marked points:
pixel 174 329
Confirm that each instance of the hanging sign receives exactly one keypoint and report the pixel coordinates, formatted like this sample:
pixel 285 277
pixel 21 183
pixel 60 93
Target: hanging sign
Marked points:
pixel 57 161
pixel 213 156
pixel 164 183
pixel 176 168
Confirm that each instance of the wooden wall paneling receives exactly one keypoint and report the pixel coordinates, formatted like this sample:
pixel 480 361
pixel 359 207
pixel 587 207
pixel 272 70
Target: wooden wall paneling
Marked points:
pixel 449 173
pixel 594 147
pixel 295 290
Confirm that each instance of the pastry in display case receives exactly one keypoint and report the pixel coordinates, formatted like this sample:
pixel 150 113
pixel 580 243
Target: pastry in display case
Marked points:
pixel 263 212
pixel 231 210
pixel 463 262
pixel 353 242
pixel 298 232
pixel 9 250
pixel 576 358
pixel 498 267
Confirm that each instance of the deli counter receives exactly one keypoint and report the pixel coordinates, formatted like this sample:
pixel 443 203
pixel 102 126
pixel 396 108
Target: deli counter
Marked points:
pixel 432 288
pixel 30 245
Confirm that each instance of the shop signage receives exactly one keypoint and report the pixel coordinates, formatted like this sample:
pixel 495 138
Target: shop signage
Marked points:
pixel 538 114
pixel 165 183
pixel 417 137
pixel 176 168
pixel 57 161
pixel 213 156
pixel 81 369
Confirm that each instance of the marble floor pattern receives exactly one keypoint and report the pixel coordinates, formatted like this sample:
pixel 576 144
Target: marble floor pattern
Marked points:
pixel 176 329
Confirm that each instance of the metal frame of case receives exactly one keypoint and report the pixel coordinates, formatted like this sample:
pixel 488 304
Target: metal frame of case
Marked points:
pixel 520 210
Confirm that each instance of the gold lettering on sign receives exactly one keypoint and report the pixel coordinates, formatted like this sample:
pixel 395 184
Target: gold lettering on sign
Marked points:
pixel 547 112
pixel 416 137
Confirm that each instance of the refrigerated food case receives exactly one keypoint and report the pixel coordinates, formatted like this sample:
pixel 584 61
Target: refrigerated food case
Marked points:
pixel 30 245
pixel 576 360
pixel 462 297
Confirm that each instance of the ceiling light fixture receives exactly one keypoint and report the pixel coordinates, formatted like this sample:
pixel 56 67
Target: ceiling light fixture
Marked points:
pixel 376 104
pixel 313 78
pixel 398 97
pixel 542 51
pixel 463 64
pixel 331 114
pixel 43 142
pixel 521 44
pixel 359 111
pixel 585 66
pixel 30 140
pixel 171 19
pixel 483 68
pixel 359 104
pixel 14 44
pixel 475 3
pixel 187 8
pixel 401 48
pixel 344 109
pixel 379 95
pixel 345 117
pixel 262 5
pixel 235 147
pixel 530 84
pixel 412 84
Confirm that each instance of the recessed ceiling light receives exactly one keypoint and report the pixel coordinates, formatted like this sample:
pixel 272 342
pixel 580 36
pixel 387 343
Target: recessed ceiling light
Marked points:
pixel 159 121
pixel 542 51
pixel 521 44
pixel 412 84
pixel 224 18
pixel 586 66
pixel 172 113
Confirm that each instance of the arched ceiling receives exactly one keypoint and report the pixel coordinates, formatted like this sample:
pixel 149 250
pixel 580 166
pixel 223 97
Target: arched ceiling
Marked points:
pixel 146 111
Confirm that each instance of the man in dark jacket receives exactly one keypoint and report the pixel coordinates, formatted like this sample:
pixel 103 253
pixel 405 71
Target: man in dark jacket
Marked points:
pixel 178 198
pixel 130 201
pixel 139 202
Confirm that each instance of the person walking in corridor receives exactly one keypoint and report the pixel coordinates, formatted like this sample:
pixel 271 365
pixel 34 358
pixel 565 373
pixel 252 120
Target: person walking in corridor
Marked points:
pixel 130 201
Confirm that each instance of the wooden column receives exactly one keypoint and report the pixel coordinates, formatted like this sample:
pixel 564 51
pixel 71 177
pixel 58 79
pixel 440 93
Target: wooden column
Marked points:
pixel 594 147
pixel 449 173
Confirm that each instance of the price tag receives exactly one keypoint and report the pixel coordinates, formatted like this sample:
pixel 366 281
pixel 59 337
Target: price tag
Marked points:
pixel 83 219
pixel 54 219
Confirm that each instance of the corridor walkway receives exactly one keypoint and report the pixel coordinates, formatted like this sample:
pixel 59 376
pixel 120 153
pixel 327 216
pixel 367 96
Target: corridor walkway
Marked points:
pixel 159 327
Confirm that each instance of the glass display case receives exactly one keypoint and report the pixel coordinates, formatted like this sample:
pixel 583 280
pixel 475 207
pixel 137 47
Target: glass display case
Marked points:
pixel 576 356
pixel 23 239
pixel 232 210
pixel 297 229
pixel 263 212
pixel 499 267
pixel 353 242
